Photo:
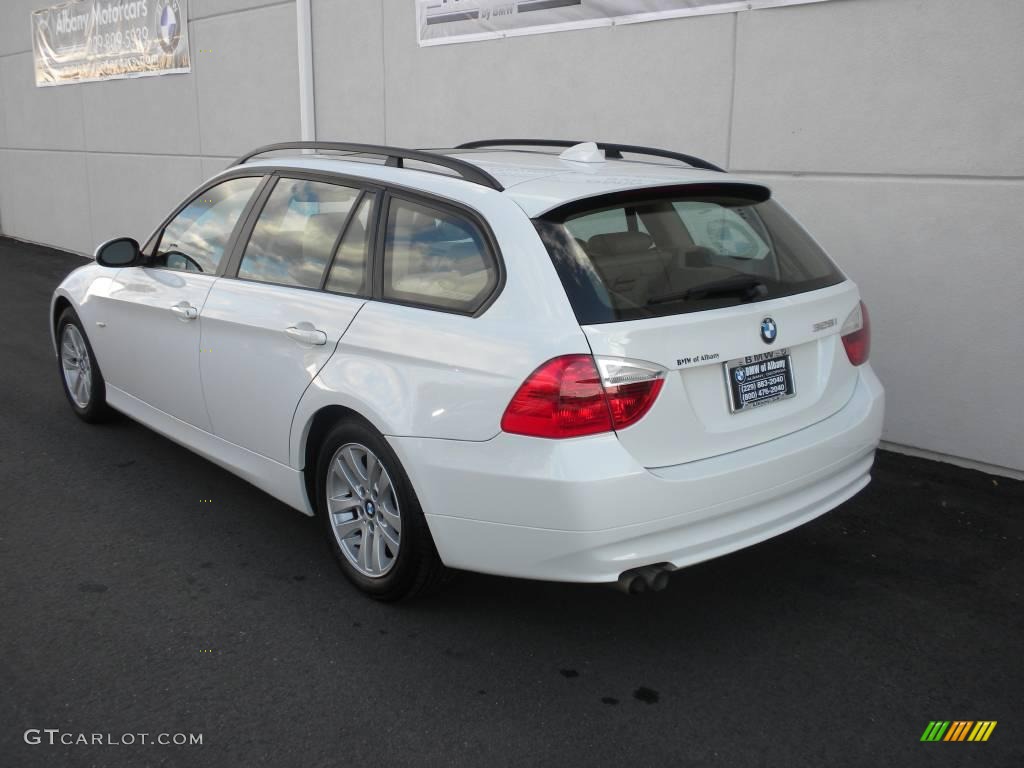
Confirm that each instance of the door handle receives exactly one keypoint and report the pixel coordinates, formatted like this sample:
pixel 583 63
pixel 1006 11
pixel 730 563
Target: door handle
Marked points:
pixel 185 311
pixel 307 335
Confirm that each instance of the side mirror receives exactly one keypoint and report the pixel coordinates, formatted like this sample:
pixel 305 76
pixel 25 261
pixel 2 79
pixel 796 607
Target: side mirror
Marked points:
pixel 119 252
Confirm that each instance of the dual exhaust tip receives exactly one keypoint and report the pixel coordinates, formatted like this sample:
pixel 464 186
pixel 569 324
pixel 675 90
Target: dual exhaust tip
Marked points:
pixel 646 578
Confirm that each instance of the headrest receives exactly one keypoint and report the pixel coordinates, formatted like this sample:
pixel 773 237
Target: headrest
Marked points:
pixel 617 243
pixel 304 193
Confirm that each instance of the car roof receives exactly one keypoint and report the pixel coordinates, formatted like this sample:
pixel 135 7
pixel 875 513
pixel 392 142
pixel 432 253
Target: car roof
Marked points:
pixel 537 180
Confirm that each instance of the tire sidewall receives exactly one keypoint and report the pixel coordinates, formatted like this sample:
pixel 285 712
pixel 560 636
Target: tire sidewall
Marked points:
pixel 416 542
pixel 96 409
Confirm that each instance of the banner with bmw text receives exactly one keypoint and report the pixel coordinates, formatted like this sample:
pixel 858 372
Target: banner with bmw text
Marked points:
pixel 463 21
pixel 85 40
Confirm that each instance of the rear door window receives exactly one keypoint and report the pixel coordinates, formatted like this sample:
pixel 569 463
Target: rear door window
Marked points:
pixel 436 258
pixel 297 234
pixel 348 270
pixel 677 253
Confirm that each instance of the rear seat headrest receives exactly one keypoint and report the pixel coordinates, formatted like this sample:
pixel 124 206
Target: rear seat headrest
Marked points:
pixel 617 243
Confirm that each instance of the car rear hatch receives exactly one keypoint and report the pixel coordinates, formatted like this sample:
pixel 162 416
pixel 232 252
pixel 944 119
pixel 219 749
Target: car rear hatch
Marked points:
pixel 718 286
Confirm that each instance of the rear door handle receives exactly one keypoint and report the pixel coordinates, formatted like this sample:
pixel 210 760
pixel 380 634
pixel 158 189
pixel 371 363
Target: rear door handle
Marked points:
pixel 307 335
pixel 185 311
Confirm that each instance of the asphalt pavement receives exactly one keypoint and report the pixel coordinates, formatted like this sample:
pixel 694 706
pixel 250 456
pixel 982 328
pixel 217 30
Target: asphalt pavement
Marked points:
pixel 130 605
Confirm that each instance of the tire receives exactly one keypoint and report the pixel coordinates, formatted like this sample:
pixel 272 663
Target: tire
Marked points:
pixel 372 501
pixel 79 372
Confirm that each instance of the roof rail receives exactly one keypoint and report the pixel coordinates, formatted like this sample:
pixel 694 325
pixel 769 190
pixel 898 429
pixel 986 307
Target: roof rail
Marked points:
pixel 611 150
pixel 396 156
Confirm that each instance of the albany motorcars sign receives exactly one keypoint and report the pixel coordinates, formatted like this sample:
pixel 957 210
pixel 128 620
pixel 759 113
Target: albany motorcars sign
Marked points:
pixel 85 40
pixel 461 21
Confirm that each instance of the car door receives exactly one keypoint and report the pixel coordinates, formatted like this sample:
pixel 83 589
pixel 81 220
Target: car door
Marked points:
pixel 152 329
pixel 271 324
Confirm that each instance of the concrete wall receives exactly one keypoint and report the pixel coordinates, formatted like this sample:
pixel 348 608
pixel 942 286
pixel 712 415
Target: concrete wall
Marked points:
pixel 893 128
pixel 82 163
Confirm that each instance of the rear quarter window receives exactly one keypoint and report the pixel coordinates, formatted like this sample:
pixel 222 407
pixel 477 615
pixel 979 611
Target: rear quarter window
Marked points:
pixel 436 258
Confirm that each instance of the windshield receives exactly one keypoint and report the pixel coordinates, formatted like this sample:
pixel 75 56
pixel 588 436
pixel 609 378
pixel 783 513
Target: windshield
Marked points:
pixel 672 254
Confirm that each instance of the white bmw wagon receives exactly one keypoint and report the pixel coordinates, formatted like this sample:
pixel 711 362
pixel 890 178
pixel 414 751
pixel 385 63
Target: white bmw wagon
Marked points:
pixel 576 362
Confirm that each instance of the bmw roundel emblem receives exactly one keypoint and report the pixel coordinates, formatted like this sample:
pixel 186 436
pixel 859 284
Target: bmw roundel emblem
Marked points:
pixel 170 26
pixel 769 330
pixel 739 374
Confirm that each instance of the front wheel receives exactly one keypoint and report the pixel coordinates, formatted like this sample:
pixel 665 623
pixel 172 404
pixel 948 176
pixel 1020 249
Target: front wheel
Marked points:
pixel 374 524
pixel 80 374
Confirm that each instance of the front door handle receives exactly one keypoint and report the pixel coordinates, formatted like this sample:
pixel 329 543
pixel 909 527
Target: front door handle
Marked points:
pixel 185 311
pixel 308 335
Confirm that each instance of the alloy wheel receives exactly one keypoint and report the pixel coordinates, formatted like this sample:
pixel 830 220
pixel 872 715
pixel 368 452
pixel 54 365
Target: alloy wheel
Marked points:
pixel 364 511
pixel 74 359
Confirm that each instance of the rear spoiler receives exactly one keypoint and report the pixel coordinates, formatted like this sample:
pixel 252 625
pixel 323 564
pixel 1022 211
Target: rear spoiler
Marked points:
pixel 725 193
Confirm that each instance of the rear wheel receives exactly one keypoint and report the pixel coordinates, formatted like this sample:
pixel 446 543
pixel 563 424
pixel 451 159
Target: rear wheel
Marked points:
pixel 374 524
pixel 80 374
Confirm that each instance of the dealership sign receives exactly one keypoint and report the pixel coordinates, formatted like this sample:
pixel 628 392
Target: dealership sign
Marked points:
pixel 461 21
pixel 85 40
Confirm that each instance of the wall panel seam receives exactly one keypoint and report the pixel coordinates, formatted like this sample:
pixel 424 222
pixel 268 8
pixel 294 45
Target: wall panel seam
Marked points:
pixel 195 91
pixel 85 163
pixel 732 90
pixel 190 155
pixel 384 75
pixel 241 10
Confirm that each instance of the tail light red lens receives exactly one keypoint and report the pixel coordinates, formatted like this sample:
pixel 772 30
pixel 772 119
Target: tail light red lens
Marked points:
pixel 856 334
pixel 575 395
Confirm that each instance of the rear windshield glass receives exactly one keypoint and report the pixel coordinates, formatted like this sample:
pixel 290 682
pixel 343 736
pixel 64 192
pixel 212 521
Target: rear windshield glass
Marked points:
pixel 668 255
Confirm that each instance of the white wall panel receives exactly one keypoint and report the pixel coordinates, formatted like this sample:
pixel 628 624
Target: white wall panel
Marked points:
pixel 877 86
pixel 349 71
pixel 666 84
pixel 39 209
pixel 248 83
pixel 16 24
pixel 131 194
pixel 149 114
pixel 4 106
pixel 39 118
pixel 214 165
pixel 939 266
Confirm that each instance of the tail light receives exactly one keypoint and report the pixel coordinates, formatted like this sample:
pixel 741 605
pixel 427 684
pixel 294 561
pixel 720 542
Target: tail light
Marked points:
pixel 856 333
pixel 577 395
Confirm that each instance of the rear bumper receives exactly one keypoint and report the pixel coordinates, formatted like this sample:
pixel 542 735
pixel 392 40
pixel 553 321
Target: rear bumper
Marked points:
pixel 583 510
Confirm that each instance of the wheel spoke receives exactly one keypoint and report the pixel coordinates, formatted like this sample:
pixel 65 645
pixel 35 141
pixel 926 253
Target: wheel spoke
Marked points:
pixel 372 469
pixel 350 479
pixel 365 550
pixel 384 485
pixel 348 528
pixel 342 503
pixel 389 537
pixel 378 550
pixel 355 463
pixel 392 519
